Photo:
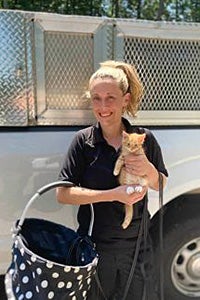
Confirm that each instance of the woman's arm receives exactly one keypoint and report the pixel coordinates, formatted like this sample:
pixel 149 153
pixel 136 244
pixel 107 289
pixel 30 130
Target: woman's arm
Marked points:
pixel 153 177
pixel 80 195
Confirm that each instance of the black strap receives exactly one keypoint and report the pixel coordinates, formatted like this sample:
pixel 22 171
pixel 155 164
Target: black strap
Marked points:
pixel 143 228
pixel 161 271
pixel 134 258
pixel 137 249
pixel 99 286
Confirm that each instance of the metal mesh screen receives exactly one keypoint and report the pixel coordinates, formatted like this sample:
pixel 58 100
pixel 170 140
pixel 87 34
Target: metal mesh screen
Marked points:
pixel 170 72
pixel 16 81
pixel 47 67
pixel 68 65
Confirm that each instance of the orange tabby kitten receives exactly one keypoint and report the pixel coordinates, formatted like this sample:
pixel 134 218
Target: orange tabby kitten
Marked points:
pixel 131 143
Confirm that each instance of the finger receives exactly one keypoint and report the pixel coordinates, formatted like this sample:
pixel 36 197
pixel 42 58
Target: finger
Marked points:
pixel 136 199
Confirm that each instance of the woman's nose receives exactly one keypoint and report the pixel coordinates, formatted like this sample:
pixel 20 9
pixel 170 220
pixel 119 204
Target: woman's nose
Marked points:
pixel 104 103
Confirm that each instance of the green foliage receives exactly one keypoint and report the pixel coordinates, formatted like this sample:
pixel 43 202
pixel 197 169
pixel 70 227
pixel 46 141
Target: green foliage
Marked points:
pixel 178 10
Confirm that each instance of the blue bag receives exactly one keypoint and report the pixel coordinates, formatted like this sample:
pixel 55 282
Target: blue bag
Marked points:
pixel 49 260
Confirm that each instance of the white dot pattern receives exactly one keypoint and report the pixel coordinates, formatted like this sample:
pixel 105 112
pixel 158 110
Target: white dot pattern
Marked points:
pixel 33 258
pixel 22 267
pixel 51 295
pixel 88 280
pixel 37 289
pixel 80 277
pixel 44 284
pixel 72 293
pixel 55 275
pixel 29 295
pixel 84 293
pixel 61 284
pixel 39 271
pixel 25 279
pixel 49 265
pixel 69 285
pixel 75 291
pixel 37 278
pixel 67 269
pixel 76 270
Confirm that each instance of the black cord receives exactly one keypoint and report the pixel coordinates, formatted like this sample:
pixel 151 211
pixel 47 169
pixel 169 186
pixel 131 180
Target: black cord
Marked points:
pixel 161 270
pixel 134 258
pixel 99 286
pixel 136 252
pixel 142 225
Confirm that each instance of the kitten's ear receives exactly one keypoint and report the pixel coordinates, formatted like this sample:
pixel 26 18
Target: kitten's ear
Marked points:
pixel 142 138
pixel 124 134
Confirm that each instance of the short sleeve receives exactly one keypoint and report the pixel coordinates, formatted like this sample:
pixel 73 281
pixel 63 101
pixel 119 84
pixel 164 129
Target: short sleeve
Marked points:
pixel 74 163
pixel 154 153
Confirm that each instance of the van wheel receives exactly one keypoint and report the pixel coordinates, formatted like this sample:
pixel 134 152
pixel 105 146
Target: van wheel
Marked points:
pixel 181 259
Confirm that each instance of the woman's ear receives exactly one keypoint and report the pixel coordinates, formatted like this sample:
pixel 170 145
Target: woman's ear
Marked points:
pixel 127 98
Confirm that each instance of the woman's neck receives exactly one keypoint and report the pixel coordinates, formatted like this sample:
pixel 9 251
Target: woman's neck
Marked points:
pixel 113 135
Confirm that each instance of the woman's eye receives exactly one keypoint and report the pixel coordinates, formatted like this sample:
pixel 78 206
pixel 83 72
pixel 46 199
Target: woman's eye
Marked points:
pixel 95 99
pixel 111 98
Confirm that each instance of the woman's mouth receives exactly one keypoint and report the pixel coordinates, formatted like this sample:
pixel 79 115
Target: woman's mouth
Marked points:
pixel 105 115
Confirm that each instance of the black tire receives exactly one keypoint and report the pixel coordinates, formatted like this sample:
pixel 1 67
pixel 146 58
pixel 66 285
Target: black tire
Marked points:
pixel 181 242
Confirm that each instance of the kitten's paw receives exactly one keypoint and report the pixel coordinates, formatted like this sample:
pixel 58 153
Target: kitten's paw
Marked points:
pixel 138 188
pixel 134 189
pixel 130 190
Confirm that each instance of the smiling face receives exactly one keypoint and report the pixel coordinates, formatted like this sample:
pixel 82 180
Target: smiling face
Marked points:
pixel 108 101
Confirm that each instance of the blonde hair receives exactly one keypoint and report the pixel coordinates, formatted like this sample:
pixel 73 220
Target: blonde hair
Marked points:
pixel 127 78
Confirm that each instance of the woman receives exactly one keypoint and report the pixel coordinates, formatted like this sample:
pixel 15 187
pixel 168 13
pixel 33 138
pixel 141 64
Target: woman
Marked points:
pixel 114 89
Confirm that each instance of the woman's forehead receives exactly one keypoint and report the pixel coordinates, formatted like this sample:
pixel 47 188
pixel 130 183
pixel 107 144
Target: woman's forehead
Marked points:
pixel 99 84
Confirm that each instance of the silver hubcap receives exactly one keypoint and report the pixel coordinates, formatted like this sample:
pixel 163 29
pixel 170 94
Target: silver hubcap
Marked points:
pixel 185 269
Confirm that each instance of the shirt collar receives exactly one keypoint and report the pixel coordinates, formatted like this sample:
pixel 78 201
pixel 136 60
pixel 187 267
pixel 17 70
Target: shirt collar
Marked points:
pixel 96 135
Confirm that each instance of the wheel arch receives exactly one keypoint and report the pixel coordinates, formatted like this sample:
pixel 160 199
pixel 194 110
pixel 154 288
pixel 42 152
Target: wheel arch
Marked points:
pixel 185 206
pixel 183 179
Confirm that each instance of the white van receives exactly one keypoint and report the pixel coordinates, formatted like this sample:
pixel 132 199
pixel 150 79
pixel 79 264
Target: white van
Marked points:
pixel 45 63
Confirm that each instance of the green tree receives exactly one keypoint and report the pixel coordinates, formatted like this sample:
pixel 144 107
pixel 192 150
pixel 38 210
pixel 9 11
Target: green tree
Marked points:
pixel 155 10
pixel 178 10
pixel 195 10
pixel 161 10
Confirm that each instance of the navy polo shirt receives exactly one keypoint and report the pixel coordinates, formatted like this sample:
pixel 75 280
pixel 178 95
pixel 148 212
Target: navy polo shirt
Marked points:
pixel 90 163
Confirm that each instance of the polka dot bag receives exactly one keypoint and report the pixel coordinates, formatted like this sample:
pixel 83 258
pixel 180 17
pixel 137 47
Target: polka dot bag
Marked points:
pixel 49 260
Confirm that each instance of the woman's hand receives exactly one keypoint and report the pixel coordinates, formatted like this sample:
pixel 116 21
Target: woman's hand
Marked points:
pixel 123 195
pixel 139 165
